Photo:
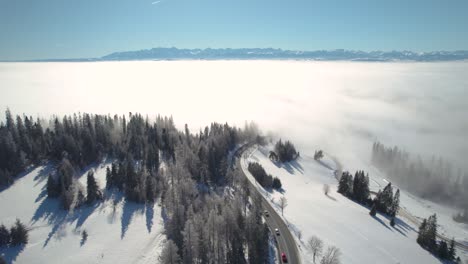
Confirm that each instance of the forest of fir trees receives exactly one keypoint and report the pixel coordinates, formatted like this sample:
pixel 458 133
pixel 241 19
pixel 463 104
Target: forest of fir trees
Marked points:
pixel 210 214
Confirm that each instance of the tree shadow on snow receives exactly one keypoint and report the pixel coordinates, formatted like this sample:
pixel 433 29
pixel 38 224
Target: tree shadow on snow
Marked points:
pixel 325 165
pixel 11 253
pixel 17 177
pixel 129 209
pixel 149 212
pixel 330 197
pixel 381 222
pixel 51 211
pixel 44 173
pixel 82 214
pixel 291 167
pixel 42 195
pixel 296 165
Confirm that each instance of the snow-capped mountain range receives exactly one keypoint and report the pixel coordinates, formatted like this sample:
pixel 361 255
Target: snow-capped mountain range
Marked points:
pixel 275 54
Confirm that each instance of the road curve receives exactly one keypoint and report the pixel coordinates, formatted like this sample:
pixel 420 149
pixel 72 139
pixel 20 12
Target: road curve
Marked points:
pixel 285 241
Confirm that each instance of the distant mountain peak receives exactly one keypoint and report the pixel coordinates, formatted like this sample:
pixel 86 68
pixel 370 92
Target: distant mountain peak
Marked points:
pixel 278 54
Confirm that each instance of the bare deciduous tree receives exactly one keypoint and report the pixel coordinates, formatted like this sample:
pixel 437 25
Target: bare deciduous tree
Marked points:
pixel 331 256
pixel 283 202
pixel 315 244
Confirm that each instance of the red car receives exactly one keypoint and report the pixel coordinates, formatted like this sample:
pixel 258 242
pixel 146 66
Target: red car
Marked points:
pixel 284 258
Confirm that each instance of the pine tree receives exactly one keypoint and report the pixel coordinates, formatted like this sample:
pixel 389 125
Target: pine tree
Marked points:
pixel 422 237
pixel 81 197
pixel 443 250
pixel 84 237
pixel 109 178
pixel 4 236
pixel 451 252
pixel 386 199
pixel 373 210
pixel 395 204
pixel 19 234
pixel 93 192
pixel 343 185
pixel 2 260
pixel 169 254
pixel 53 189
pixel 432 232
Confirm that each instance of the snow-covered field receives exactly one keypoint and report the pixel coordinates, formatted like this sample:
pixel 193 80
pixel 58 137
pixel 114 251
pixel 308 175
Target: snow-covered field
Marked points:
pixel 119 231
pixel 337 220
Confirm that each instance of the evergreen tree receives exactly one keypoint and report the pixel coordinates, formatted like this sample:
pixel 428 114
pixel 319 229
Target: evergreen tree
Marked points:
pixel 386 199
pixel 432 232
pixel 395 204
pixel 442 251
pixel 84 237
pixel 93 192
pixel 422 236
pixel 4 236
pixel 451 252
pixel 81 199
pixel 19 234
pixel 344 186
pixel 373 210
pixel 65 172
pixel 2 260
pixel 53 190
pixel 109 178
pixel 276 183
pixel 169 254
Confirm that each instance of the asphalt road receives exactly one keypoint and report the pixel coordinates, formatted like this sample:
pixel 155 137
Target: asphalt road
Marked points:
pixel 285 241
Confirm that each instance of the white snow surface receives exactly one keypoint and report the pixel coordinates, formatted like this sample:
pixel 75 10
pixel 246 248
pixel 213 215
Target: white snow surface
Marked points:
pixel 336 219
pixel 118 231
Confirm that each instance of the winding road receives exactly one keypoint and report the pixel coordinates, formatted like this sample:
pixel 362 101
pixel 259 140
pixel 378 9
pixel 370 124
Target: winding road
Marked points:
pixel 285 241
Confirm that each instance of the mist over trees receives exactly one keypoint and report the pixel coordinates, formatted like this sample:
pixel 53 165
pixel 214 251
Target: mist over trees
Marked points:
pixel 210 214
pixel 434 178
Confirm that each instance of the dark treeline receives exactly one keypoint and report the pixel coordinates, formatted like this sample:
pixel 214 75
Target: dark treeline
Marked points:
pixel 260 175
pixel 357 189
pixel 433 179
pixel 210 214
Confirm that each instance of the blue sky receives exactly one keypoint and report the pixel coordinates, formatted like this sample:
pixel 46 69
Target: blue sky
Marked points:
pixel 33 29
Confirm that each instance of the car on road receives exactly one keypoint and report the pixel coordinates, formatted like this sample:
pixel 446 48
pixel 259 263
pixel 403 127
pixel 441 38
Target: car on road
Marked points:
pixel 277 231
pixel 266 213
pixel 284 258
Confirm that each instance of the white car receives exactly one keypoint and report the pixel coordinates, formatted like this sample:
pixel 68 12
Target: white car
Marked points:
pixel 277 231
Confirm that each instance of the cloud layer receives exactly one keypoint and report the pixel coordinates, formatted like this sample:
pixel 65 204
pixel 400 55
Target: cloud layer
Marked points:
pixel 339 106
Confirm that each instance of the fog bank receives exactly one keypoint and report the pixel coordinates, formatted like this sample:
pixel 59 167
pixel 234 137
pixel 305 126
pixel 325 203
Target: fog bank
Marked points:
pixel 341 107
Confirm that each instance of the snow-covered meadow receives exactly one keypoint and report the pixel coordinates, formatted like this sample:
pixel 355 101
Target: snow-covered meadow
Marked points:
pixel 118 231
pixel 343 223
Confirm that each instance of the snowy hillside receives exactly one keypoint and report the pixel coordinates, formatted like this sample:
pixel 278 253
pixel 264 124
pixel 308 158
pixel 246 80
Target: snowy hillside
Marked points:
pixel 337 220
pixel 119 231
